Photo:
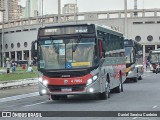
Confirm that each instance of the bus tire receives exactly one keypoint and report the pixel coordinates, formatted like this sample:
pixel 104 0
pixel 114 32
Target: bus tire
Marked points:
pixel 119 88
pixel 121 83
pixel 106 93
pixel 140 78
pixel 55 97
pixel 135 79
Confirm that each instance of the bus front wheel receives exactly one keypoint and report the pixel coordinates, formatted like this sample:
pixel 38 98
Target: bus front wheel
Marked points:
pixel 55 97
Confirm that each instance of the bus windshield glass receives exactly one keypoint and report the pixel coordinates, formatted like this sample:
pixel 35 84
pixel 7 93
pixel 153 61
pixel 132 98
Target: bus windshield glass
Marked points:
pixel 155 58
pixel 67 53
pixel 129 54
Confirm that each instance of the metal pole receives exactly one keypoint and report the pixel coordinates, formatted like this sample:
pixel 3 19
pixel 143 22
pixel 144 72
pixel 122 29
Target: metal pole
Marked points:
pixel 76 10
pixel 2 36
pixel 125 21
pixel 59 11
pixel 42 13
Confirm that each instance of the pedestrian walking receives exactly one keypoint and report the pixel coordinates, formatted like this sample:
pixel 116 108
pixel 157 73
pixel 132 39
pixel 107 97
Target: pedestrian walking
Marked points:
pixel 8 65
pixel 14 67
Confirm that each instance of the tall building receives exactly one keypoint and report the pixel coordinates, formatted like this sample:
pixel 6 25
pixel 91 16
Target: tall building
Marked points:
pixel 32 8
pixel 21 11
pixel 11 9
pixel 70 8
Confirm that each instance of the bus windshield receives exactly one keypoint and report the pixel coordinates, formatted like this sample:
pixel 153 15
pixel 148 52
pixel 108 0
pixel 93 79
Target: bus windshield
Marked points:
pixel 67 53
pixel 155 58
pixel 129 54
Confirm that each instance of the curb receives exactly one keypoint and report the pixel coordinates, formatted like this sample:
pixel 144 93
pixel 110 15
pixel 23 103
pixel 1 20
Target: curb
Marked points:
pixel 23 82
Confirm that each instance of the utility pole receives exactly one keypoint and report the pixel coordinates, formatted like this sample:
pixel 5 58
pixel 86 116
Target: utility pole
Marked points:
pixel 42 13
pixel 2 37
pixel 125 21
pixel 59 11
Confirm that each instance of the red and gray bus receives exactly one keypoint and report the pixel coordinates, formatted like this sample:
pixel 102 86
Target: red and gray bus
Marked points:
pixel 134 60
pixel 154 59
pixel 76 59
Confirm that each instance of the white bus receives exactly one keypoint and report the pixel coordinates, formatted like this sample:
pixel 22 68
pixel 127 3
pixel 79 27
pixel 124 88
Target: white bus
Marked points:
pixel 80 59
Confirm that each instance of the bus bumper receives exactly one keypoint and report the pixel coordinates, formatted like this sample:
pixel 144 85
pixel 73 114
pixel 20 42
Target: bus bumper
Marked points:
pixel 90 89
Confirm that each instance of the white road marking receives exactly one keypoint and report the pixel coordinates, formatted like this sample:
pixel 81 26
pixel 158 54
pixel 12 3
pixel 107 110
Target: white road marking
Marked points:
pixel 35 104
pixel 17 97
pixel 155 106
pixel 134 118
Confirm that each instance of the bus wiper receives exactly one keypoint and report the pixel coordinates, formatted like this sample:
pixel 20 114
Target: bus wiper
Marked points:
pixel 54 45
pixel 76 45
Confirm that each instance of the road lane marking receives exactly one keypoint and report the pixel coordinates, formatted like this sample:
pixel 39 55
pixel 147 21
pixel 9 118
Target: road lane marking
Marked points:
pixel 134 118
pixel 35 104
pixel 17 97
pixel 155 106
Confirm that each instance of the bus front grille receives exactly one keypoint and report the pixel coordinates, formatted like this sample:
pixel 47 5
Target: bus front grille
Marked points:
pixel 58 88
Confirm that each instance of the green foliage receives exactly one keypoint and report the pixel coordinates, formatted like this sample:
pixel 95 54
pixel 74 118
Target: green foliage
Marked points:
pixel 19 74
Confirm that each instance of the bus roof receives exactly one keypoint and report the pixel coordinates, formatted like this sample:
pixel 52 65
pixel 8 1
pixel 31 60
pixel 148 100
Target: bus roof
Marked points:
pixel 99 27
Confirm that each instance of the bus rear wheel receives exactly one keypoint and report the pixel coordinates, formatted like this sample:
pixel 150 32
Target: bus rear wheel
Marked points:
pixel 106 93
pixel 119 88
pixel 135 79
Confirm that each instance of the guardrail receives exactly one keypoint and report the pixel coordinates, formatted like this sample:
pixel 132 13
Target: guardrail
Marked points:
pixel 18 83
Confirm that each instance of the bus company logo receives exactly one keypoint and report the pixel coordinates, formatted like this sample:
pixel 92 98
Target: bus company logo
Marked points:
pixel 6 114
pixel 65 82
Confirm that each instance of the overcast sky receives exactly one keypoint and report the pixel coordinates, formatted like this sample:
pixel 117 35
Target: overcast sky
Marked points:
pixel 50 6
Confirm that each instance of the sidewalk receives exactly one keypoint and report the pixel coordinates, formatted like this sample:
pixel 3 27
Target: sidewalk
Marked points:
pixel 22 82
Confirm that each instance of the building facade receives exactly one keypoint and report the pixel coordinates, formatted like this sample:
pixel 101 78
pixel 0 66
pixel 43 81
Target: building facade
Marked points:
pixel 32 8
pixel 11 9
pixel 144 28
pixel 70 8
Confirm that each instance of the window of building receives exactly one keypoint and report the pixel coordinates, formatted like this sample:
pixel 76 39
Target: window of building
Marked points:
pixel 6 46
pixel 33 29
pixel 18 44
pixel 138 38
pixel 1 47
pixel 12 45
pixel 150 38
pixel 18 30
pixel 149 48
pixel 25 44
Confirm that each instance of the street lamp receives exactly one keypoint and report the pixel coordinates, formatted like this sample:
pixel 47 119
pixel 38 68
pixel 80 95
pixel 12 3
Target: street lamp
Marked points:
pixel 2 63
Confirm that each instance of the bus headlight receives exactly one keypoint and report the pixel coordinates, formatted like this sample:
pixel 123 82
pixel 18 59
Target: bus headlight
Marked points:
pixel 92 80
pixel 45 82
pixel 89 81
pixel 40 79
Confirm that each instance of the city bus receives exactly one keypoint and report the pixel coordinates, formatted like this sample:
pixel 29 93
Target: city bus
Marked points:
pixel 77 59
pixel 134 60
pixel 154 59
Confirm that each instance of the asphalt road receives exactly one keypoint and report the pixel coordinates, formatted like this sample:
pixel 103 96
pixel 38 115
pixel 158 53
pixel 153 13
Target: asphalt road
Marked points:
pixel 141 96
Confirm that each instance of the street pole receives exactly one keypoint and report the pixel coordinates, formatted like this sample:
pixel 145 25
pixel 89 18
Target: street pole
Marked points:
pixel 2 37
pixel 42 13
pixel 125 21
pixel 76 10
pixel 59 11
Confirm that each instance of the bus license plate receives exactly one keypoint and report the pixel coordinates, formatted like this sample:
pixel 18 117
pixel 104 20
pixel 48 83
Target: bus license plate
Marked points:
pixel 66 89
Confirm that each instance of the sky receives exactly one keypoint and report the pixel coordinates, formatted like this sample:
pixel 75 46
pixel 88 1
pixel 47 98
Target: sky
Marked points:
pixel 51 6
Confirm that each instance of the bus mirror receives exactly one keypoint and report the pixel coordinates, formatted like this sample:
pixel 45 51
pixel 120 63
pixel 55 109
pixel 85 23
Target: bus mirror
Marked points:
pixel 33 49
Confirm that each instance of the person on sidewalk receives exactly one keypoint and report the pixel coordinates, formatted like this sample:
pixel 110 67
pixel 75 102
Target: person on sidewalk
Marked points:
pixel 8 65
pixel 14 67
pixel 30 69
